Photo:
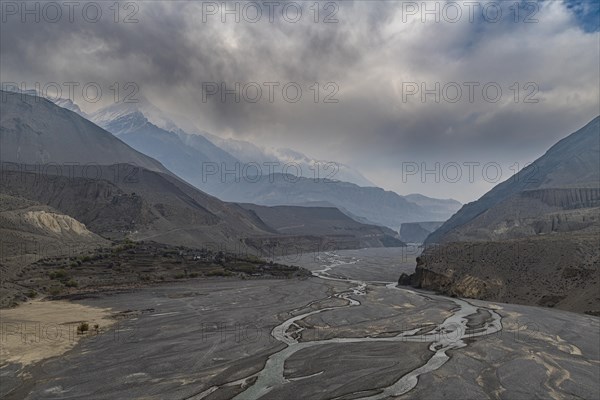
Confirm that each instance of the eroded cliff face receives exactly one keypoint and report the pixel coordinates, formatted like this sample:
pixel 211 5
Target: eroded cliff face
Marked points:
pixel 567 199
pixel 448 282
pixel 533 213
pixel 427 278
pixel 560 270
pixel 533 239
pixel 56 223
pixel 566 177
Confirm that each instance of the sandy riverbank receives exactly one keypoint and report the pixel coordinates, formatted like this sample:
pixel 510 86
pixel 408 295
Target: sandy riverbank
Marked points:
pixel 40 329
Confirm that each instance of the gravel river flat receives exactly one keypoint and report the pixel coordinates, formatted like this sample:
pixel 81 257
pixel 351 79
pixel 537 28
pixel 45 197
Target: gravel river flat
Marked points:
pixel 345 333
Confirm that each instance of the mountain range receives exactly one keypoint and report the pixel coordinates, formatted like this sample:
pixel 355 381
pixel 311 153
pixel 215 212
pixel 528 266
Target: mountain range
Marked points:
pixel 55 158
pixel 307 167
pixel 366 204
pixel 239 171
pixel 227 168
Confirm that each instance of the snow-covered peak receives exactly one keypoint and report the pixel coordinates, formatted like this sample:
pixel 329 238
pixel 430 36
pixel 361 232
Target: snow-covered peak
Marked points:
pixel 125 123
pixel 309 167
pixel 122 118
pixel 152 113
pixel 69 105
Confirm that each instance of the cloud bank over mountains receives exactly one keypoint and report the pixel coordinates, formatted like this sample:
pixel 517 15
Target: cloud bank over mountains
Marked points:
pixel 377 61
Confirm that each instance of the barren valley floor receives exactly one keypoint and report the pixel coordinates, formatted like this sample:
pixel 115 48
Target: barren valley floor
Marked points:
pixel 346 333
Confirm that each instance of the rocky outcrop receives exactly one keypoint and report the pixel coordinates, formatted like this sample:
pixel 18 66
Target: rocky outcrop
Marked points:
pixel 425 278
pixel 560 270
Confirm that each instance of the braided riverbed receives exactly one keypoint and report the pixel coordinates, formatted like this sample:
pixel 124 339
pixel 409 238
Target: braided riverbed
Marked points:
pixel 448 335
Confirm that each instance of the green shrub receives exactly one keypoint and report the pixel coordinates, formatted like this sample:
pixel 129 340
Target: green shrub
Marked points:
pixel 55 290
pixel 82 328
pixel 31 294
pixel 71 283
pixel 246 268
pixel 60 274
pixel 253 259
pixel 218 272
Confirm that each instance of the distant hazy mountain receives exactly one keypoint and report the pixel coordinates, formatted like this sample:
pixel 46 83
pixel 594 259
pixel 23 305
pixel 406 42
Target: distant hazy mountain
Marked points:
pixel 329 223
pixel 188 155
pixel 115 118
pixel 309 168
pixel 184 154
pixel 69 105
pixel 417 232
pixel 153 114
pixel 375 205
pixel 443 207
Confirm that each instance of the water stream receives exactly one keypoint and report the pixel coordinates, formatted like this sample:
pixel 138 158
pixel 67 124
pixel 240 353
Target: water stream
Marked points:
pixel 448 335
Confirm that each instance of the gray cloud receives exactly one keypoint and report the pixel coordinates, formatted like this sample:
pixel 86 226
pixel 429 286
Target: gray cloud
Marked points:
pixel 369 54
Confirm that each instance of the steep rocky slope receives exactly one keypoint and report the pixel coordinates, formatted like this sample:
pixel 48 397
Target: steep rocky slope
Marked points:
pixel 573 163
pixel 560 270
pixel 533 239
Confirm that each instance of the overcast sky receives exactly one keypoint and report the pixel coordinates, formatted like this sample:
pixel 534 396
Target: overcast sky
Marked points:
pixel 371 58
